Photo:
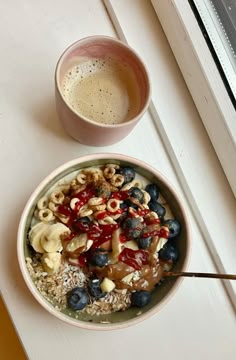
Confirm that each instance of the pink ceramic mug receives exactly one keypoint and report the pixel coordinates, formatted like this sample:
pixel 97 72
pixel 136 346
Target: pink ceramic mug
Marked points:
pixel 102 90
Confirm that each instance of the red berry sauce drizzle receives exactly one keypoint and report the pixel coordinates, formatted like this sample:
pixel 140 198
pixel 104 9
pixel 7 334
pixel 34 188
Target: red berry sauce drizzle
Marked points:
pixel 134 258
pixel 103 233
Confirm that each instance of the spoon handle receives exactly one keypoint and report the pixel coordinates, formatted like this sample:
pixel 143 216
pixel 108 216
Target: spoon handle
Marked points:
pixel 200 275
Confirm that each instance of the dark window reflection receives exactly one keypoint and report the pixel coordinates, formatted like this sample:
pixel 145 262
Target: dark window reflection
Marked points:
pixel 226 11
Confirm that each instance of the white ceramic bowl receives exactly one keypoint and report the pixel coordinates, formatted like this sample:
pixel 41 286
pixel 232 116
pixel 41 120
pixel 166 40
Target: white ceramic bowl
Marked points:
pixel 160 295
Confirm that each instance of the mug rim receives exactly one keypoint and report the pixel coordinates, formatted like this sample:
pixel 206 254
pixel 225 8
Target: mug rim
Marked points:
pixel 127 47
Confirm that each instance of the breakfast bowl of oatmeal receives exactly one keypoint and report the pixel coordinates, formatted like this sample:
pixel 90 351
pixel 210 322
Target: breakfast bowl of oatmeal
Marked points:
pixel 96 239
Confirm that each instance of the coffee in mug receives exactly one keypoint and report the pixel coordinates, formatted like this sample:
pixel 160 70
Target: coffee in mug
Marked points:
pixel 102 90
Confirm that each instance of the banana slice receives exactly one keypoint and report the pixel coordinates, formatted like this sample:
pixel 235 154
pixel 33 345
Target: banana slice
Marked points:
pixel 89 244
pixel 161 243
pixel 77 242
pixel 35 235
pixel 127 279
pixel 51 238
pixel 117 246
pixel 74 262
pixel 51 262
pixel 131 244
pixel 107 285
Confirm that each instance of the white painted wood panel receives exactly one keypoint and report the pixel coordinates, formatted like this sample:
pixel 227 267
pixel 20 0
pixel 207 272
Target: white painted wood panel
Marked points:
pixel 198 321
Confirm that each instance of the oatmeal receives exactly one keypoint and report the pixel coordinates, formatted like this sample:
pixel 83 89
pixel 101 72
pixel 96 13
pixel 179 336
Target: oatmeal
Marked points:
pixel 101 240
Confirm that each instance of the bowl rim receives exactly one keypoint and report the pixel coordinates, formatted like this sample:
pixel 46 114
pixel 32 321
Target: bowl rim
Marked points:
pixel 128 48
pixel 20 242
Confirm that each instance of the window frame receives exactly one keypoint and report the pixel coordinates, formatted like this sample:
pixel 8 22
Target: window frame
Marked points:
pixel 202 78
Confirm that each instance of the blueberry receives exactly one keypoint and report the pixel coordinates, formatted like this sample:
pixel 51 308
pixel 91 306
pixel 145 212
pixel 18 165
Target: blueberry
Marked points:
pixel 136 193
pixel 128 173
pixel 174 227
pixel 77 298
pixel 99 258
pixel 140 298
pixel 124 206
pixel 132 227
pixel 131 223
pixel 153 191
pixel 81 224
pixel 169 252
pixel 129 203
pixel 157 207
pixel 103 189
pixel 94 289
pixel 144 243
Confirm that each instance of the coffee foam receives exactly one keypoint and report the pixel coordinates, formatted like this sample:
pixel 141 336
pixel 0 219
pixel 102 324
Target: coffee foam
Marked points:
pixel 102 90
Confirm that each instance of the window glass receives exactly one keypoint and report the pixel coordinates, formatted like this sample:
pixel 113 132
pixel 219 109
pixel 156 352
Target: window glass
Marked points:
pixel 217 19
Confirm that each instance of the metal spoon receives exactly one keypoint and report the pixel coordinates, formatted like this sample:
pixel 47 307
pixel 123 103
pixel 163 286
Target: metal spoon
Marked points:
pixel 200 275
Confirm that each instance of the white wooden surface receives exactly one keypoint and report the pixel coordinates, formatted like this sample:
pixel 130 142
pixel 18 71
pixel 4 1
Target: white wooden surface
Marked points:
pixel 199 322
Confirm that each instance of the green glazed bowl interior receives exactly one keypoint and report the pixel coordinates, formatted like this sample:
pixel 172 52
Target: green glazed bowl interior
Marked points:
pixel 160 294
